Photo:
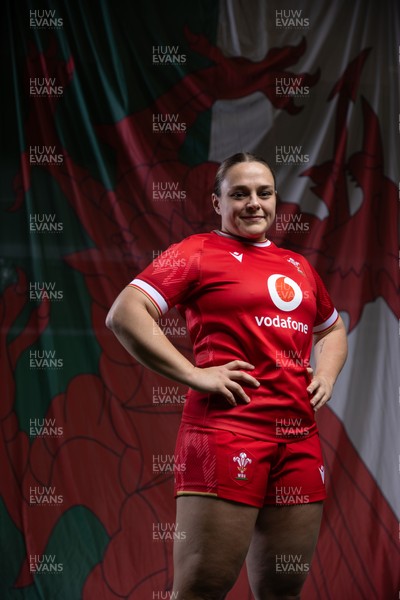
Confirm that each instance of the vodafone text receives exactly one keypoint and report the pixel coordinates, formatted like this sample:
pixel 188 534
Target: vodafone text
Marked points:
pixel 282 323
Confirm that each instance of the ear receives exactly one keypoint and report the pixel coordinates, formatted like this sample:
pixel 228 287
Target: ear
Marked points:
pixel 215 203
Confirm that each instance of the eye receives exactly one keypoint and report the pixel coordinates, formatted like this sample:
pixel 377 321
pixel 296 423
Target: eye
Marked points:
pixel 265 193
pixel 238 195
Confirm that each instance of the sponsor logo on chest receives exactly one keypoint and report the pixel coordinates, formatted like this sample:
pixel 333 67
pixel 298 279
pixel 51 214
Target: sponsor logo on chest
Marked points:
pixel 286 295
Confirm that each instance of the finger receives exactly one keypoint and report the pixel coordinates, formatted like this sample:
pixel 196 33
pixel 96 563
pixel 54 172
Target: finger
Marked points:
pixel 231 399
pixel 241 376
pixel 314 385
pixel 320 404
pixel 317 397
pixel 320 396
pixel 238 391
pixel 314 403
pixel 239 364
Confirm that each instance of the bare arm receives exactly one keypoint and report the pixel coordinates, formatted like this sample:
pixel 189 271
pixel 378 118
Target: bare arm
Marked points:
pixel 133 318
pixel 330 350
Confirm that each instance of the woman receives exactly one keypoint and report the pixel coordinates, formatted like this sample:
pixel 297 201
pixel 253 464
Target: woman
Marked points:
pixel 253 483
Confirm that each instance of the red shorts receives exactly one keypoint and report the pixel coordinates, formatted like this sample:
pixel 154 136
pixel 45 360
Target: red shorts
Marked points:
pixel 215 462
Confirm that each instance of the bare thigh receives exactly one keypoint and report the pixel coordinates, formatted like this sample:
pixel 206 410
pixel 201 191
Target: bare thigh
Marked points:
pixel 209 553
pixel 281 550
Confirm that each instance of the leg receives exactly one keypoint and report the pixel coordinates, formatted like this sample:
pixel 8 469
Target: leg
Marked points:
pixel 217 535
pixel 281 550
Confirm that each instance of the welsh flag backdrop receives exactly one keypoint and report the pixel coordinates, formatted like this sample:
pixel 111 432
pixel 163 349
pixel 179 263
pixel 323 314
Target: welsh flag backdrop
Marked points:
pixel 115 116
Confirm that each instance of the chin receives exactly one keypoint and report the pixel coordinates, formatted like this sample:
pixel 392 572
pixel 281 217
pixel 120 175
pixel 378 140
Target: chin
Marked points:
pixel 253 235
pixel 256 229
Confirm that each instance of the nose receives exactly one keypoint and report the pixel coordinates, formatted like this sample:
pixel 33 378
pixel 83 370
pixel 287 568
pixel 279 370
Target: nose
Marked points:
pixel 253 201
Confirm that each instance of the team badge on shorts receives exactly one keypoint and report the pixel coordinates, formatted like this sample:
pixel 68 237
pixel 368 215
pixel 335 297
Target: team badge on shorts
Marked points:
pixel 241 467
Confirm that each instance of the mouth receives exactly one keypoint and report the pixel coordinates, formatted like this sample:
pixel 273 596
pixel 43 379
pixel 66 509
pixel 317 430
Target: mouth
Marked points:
pixel 253 218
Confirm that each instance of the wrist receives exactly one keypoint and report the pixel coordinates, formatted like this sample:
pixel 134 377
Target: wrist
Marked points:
pixel 189 376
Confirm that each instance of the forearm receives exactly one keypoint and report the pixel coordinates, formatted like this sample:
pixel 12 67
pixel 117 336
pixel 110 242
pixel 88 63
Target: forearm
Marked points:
pixel 330 353
pixel 137 330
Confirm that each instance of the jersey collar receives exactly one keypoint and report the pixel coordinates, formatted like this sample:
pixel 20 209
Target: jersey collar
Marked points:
pixel 239 239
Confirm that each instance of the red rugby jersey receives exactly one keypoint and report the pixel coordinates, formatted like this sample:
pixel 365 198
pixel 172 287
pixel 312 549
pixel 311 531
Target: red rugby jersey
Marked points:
pixel 250 301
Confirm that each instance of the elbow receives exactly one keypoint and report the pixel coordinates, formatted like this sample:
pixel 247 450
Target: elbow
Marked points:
pixel 126 313
pixel 112 320
pixel 119 317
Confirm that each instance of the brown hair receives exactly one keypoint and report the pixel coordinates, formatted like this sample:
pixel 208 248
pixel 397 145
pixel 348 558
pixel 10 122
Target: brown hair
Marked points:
pixel 235 159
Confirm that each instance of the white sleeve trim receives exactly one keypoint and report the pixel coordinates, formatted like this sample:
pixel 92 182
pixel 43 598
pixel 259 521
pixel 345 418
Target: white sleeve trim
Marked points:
pixel 326 324
pixel 154 295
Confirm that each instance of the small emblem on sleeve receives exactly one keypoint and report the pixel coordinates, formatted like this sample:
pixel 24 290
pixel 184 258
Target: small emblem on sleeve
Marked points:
pixel 322 473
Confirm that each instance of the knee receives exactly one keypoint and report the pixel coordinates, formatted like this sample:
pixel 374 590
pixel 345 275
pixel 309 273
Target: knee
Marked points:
pixel 273 589
pixel 208 582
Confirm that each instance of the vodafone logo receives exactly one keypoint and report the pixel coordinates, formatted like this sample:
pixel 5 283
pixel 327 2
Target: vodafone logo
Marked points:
pixel 285 293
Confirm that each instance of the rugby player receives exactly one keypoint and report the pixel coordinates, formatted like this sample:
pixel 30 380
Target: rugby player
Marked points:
pixel 253 484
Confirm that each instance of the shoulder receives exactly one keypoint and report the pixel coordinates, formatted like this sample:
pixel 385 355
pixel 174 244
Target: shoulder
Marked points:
pixel 191 244
pixel 195 240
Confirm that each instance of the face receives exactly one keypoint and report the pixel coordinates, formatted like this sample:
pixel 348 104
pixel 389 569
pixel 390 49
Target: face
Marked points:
pixel 247 202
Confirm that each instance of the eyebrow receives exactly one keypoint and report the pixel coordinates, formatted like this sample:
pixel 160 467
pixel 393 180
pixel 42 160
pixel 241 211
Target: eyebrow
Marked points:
pixel 243 186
